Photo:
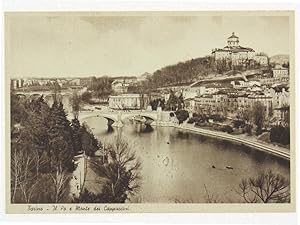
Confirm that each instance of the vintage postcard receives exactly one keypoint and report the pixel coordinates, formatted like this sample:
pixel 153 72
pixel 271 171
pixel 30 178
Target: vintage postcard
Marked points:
pixel 150 112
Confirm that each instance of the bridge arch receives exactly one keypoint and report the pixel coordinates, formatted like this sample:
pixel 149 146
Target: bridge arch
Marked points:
pixel 21 95
pixel 119 117
pixel 152 117
pixel 108 117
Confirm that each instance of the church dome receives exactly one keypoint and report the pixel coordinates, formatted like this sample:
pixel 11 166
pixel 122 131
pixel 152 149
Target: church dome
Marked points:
pixel 233 36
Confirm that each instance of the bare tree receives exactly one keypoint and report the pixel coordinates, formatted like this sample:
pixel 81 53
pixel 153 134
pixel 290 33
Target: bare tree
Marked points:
pixel 121 171
pixel 211 198
pixel 16 173
pixel 267 187
pixel 59 179
pixel 23 180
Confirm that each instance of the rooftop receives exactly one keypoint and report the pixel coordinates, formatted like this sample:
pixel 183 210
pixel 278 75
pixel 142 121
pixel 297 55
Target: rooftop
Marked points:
pixel 233 35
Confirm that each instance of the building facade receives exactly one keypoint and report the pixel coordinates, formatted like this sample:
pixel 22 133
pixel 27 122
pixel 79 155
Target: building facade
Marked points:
pixel 280 72
pixel 128 101
pixel 236 54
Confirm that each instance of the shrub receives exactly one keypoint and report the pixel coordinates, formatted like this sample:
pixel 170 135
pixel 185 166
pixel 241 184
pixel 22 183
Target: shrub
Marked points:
pixel 86 97
pixel 191 120
pixel 248 129
pixel 218 118
pixel 280 134
pixel 182 115
pixel 227 129
pixel 238 123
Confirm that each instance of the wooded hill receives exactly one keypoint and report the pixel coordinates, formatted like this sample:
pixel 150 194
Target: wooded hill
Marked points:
pixel 182 72
pixel 196 69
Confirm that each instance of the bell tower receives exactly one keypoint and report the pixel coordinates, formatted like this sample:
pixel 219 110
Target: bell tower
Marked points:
pixel 233 40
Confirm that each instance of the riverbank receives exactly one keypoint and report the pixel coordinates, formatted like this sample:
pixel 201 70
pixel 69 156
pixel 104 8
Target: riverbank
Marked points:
pixel 249 141
pixel 268 148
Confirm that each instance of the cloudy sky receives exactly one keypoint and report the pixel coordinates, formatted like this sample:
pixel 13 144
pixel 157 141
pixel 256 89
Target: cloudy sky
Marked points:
pixel 59 45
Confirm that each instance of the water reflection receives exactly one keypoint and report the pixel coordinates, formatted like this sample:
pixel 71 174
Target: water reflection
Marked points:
pixel 110 129
pixel 147 129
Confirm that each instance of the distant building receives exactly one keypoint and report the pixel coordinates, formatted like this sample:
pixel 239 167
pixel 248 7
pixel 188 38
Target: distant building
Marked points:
pixel 265 100
pixel 237 54
pixel 280 96
pixel 85 82
pixel 281 104
pixel 75 82
pixel 128 101
pixel 261 59
pixel 17 83
pixel 273 81
pixel 280 72
pixel 189 104
pixel 245 84
pixel 211 104
pixel 121 84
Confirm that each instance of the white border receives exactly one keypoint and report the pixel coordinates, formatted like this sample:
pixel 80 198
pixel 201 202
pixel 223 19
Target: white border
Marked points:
pixel 98 5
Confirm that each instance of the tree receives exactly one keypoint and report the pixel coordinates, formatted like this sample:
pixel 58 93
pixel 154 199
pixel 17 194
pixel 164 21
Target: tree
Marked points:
pixel 285 114
pixel 211 198
pixel 42 150
pixel 22 180
pixel 156 103
pixel 258 114
pixel 89 144
pixel 76 135
pixel 267 187
pixel 280 134
pixel 86 96
pixel 172 103
pixel 121 172
pixel 76 101
pixel 180 101
pixel 101 87
pixel 59 179
pixel 246 115
pixel 248 129
pixel 182 115
pixel 60 138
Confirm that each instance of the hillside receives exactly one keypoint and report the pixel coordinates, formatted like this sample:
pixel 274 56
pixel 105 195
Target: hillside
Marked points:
pixel 183 72
pixel 279 59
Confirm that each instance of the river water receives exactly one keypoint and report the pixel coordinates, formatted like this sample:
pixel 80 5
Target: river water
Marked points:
pixel 177 165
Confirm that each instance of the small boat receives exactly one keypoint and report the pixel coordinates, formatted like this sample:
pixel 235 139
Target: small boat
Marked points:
pixel 229 167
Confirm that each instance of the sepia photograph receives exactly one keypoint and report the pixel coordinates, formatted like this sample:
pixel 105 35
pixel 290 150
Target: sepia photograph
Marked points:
pixel 133 111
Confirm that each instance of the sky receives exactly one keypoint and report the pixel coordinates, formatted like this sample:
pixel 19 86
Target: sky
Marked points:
pixel 82 45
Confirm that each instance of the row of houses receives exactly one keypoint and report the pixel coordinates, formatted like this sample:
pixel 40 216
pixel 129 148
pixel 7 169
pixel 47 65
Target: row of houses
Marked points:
pixel 232 103
pixel 32 82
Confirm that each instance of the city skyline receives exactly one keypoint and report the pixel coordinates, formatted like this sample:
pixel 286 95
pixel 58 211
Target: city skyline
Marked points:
pixel 85 45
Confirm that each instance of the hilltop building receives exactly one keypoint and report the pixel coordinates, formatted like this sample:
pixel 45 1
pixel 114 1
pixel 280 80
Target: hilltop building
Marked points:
pixel 237 54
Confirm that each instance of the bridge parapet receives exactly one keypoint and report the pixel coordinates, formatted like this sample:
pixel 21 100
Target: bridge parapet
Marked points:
pixel 118 117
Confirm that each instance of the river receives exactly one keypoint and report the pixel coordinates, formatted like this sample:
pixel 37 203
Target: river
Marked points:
pixel 177 165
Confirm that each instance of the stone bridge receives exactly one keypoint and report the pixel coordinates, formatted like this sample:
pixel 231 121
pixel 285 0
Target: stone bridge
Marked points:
pixel 65 96
pixel 32 94
pixel 117 118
